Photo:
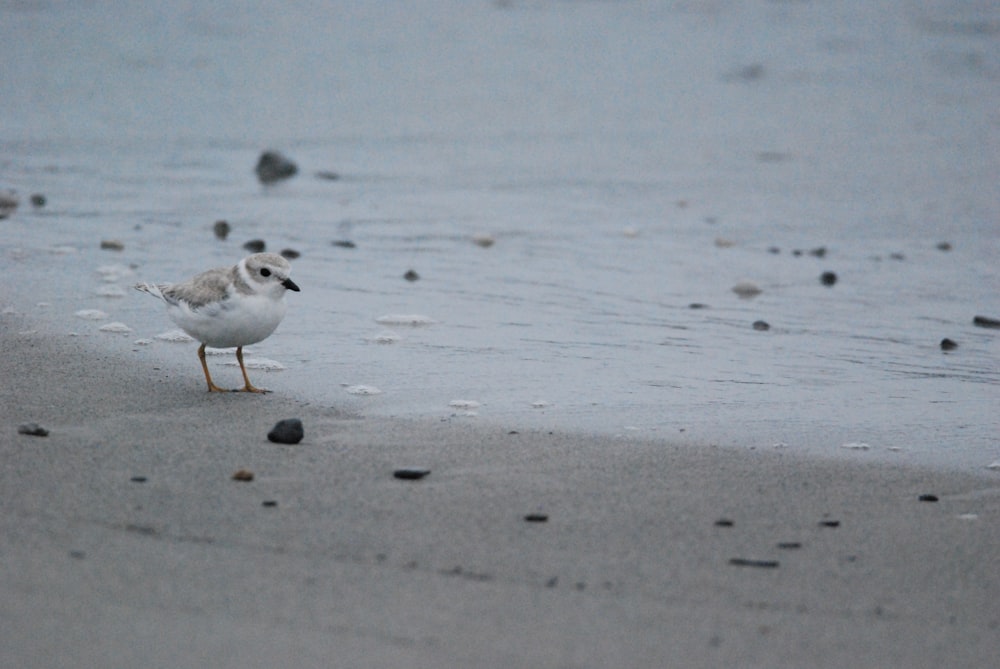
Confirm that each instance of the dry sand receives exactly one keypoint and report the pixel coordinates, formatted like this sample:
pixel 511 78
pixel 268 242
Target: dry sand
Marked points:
pixel 185 567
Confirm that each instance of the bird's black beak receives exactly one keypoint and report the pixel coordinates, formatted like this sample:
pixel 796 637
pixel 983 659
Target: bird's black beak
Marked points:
pixel 290 285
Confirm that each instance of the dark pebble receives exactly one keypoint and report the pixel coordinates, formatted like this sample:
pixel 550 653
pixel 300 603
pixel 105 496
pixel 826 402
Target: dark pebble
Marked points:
pixel 345 244
pixel 944 246
pixel 287 431
pixel 537 518
pixel 273 166
pixel 242 475
pixel 255 246
pixel 112 245
pixel 828 278
pixel 724 522
pixel 928 498
pixel 948 344
pixel 138 479
pixel 411 275
pixel 32 430
pixel 38 200
pixel 762 326
pixel 77 555
pixel 327 175
pixel 269 503
pixel 746 562
pixel 819 252
pixel 774 250
pixel 829 523
pixel 290 254
pixel 697 305
pixel 221 229
pixel 411 473
pixel 986 322
pixel 789 545
pixel 897 256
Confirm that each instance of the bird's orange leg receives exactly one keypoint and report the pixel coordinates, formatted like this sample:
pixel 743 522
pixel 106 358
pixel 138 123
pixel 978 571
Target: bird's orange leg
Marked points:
pixel 248 387
pixel 212 388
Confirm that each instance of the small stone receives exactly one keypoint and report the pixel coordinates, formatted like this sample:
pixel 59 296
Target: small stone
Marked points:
pixel 222 229
pixel 255 246
pixel 112 245
pixel 269 503
pixel 38 200
pixel 411 473
pixel 483 240
pixel 345 244
pixel 697 305
pixel 986 322
pixel 789 545
pixel 819 252
pixel 773 250
pixel 948 344
pixel 272 166
pixel 77 555
pixel 797 252
pixel 289 254
pixel 327 175
pixel 287 431
pixel 762 326
pixel 243 475
pixel 746 562
pixel 897 256
pixel 8 203
pixel 928 498
pixel 944 246
pixel 829 523
pixel 724 522
pixel 537 518
pixel 138 479
pixel 32 430
pixel 747 289
pixel 828 278
pixel 411 275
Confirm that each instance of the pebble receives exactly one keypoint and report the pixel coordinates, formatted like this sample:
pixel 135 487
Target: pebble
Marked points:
pixel 537 518
pixel 269 503
pixel 483 240
pixel 986 322
pixel 138 479
pixel 8 203
pixel 411 275
pixel 289 254
pixel 38 200
pixel 747 289
pixel 944 246
pixel 928 498
pixel 697 305
pixel 222 229
pixel 255 246
pixel 411 473
pixel 345 244
pixel 724 522
pixel 819 252
pixel 287 431
pixel 948 344
pixel 829 523
pixel 273 166
pixel 243 475
pixel 327 175
pixel 112 245
pixel 32 430
pixel 762 326
pixel 828 278
pixel 746 562
pixel 789 545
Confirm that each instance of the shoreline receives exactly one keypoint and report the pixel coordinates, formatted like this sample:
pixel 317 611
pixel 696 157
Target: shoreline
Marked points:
pixel 125 528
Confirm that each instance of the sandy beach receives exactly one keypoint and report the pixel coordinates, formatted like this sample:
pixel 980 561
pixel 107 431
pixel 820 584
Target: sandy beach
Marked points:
pixel 126 542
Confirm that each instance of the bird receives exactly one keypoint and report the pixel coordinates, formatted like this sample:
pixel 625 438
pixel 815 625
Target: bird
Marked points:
pixel 229 306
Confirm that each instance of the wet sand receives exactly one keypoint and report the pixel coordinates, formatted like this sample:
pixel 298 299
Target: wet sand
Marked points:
pixel 125 541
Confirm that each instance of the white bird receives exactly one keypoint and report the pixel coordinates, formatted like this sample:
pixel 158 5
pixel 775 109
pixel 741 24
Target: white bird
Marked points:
pixel 229 306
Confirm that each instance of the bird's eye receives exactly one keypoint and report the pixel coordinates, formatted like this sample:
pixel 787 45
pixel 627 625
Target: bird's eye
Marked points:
pixel 265 271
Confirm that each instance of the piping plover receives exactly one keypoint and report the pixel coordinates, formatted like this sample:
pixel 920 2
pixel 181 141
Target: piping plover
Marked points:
pixel 229 306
